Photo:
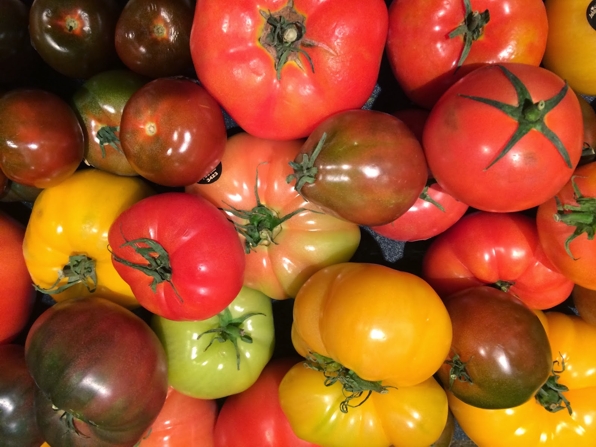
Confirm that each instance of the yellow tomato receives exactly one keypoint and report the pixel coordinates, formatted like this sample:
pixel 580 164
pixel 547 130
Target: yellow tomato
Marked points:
pixel 66 240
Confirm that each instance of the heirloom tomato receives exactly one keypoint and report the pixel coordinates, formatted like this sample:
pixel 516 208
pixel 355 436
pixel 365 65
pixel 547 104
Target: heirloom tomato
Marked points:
pixel 18 423
pixel 364 166
pixel 66 240
pixel 17 295
pixel 286 238
pixel 498 249
pixel 567 224
pixel 458 36
pixel 222 355
pixel 179 254
pixel 514 134
pixel 589 116
pixel 584 301
pixel 563 412
pixel 99 103
pixel 500 354
pixel 239 425
pixel 571 42
pixel 299 61
pixel 172 131
pixel 101 373
pixel 41 140
pixel 182 422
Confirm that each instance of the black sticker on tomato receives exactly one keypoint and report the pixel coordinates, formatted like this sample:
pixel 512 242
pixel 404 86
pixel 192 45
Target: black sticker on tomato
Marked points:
pixel 212 177
pixel 591 14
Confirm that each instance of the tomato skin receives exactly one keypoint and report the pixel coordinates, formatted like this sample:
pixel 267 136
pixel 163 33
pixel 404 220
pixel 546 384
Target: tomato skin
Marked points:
pixel 500 249
pixel 75 37
pixel 516 32
pixel 108 346
pixel 584 301
pixel 41 140
pixel 153 121
pixel 232 64
pixel 532 171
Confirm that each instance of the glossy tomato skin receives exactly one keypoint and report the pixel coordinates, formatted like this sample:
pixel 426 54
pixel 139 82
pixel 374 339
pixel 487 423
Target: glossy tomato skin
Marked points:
pixel 516 32
pixel 198 250
pixel 370 169
pixel 17 294
pixel 172 131
pixel 18 427
pixel 532 171
pixel 344 41
pixel 152 38
pixel 498 249
pixel 41 140
pixel 302 239
pixel 99 103
pixel 87 341
pixel 239 425
pixel 503 346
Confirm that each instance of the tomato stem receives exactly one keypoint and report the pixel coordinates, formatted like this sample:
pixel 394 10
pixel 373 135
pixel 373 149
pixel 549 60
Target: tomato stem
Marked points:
pixel 471 28
pixel 107 135
pixel 79 270
pixel 550 396
pixel 427 198
pixel 306 171
pixel 458 371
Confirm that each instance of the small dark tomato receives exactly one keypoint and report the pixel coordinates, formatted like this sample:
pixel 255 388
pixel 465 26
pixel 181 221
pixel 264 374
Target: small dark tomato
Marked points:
pixel 585 303
pixel 75 37
pixel 41 140
pixel 173 132
pixel 153 37
pixel 99 103
pixel 16 192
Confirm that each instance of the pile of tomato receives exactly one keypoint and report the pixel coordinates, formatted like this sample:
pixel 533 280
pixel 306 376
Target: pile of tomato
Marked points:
pixel 197 198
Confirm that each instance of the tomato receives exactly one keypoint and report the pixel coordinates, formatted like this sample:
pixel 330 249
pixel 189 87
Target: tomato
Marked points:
pixel 299 61
pixel 344 396
pixel 75 37
pixel 363 166
pixel 99 103
pixel 589 118
pixel 499 249
pixel 222 355
pixel 172 131
pixel 585 303
pixel 66 240
pixel 17 192
pixel 17 295
pixel 41 140
pixel 239 425
pixel 568 419
pixel 566 226
pixel 153 37
pixel 515 135
pixel 458 36
pixel 18 424
pixel 571 42
pixel 286 239
pixel 187 268
pixel 182 422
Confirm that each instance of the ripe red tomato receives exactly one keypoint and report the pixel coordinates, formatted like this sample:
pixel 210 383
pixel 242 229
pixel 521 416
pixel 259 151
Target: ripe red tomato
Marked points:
pixel 298 61
pixel 458 36
pixel 514 134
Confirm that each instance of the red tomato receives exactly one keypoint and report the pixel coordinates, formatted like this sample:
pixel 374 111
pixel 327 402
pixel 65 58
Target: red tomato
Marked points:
pixel 279 67
pixel 514 134
pixel 254 418
pixel 501 249
pixel 458 36
pixel 17 294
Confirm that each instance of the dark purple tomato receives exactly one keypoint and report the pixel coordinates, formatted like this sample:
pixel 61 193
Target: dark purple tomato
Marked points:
pixel 363 166
pixel 173 132
pixel 99 103
pixel 153 37
pixel 585 303
pixel 18 423
pixel 500 354
pixel 101 373
pixel 75 37
pixel 41 140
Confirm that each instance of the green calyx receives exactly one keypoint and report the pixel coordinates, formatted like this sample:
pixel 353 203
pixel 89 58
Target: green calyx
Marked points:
pixel 550 396
pixel 230 329
pixel 528 114
pixel 471 28
pixel 306 171
pixel 427 198
pixel 68 419
pixel 581 216
pixel 458 371
pixel 353 385
pixel 79 270
pixel 283 35
pixel 107 135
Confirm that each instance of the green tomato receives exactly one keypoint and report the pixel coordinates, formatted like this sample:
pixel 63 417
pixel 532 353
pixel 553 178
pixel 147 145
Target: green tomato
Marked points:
pixel 222 355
